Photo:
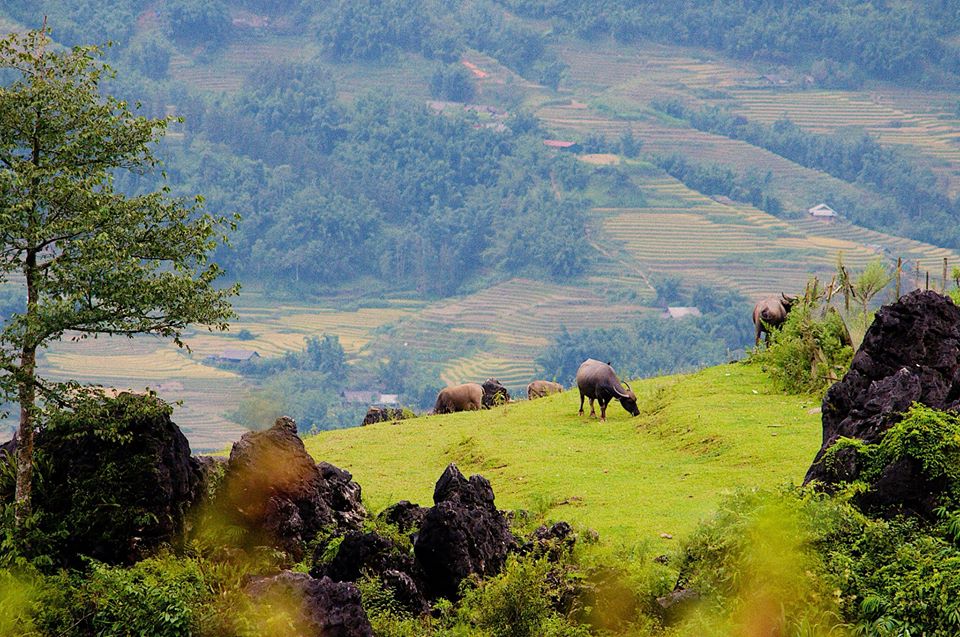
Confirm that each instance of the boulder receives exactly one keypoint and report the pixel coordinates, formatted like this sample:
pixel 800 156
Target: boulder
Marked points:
pixel 373 554
pixel 494 393
pixel 274 489
pixel 317 607
pixel 113 478
pixel 365 552
pixel 911 353
pixel 384 414
pixel 463 534
pixel 404 515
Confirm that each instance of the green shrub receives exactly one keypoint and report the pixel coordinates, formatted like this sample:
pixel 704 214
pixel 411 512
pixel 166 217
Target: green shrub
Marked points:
pixel 924 435
pixel 754 565
pixel 387 617
pixel 160 597
pixel 801 563
pixel 810 352
pixel 17 594
pixel 518 603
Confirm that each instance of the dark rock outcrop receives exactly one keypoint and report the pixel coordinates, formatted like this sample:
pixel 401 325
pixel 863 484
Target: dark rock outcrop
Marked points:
pixel 114 479
pixel 384 414
pixel 365 552
pixel 911 353
pixel 275 490
pixel 371 553
pixel 404 515
pixel 550 541
pixel 319 607
pixel 462 534
pixel 494 393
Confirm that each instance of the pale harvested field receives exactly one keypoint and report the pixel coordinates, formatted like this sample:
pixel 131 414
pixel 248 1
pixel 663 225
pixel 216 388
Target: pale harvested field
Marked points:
pixel 210 394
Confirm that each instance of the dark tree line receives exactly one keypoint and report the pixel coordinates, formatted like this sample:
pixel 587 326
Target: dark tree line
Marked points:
pixel 716 179
pixel 378 29
pixel 908 40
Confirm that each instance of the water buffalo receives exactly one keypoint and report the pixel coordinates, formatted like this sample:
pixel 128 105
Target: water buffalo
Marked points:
pixel 465 397
pixel 541 388
pixel 494 393
pixel 597 380
pixel 770 313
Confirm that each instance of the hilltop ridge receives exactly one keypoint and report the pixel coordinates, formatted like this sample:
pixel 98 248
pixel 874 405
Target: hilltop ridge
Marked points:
pixel 699 436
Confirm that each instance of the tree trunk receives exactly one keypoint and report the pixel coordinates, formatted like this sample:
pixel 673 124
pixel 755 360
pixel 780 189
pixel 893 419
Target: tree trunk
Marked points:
pixel 27 395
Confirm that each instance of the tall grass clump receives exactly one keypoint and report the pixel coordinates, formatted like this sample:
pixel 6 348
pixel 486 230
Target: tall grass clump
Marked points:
pixel 804 564
pixel 756 568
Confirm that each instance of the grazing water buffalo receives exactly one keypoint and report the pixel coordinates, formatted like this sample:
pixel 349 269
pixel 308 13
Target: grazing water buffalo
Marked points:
pixel 541 388
pixel 494 393
pixel 597 380
pixel 465 397
pixel 770 313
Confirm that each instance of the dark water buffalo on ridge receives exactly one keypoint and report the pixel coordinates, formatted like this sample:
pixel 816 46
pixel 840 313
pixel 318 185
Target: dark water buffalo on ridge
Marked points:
pixel 770 313
pixel 598 381
pixel 494 393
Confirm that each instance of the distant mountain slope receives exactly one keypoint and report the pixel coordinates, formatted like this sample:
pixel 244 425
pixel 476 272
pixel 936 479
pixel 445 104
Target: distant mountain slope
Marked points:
pixel 639 225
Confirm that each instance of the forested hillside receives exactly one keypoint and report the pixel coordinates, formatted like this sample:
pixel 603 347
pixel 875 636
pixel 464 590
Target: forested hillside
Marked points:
pixel 496 188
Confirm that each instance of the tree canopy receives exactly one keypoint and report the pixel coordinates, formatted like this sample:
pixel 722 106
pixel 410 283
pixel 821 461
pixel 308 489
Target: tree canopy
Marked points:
pixel 89 259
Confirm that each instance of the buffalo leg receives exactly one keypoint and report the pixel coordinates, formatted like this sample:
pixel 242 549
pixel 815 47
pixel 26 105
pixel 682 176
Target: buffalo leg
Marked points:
pixel 593 412
pixel 581 403
pixel 603 411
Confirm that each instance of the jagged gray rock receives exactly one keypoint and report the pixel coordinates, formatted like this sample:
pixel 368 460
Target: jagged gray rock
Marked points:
pixel 274 489
pixel 911 353
pixel 462 534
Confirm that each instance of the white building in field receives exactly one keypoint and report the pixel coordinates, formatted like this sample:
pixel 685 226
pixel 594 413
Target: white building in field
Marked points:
pixel 822 211
pixel 679 312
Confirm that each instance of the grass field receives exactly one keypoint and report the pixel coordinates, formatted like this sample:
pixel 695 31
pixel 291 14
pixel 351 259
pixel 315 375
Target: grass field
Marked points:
pixel 631 479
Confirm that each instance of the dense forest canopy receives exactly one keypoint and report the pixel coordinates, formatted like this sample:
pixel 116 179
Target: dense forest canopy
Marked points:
pixel 886 40
pixel 383 187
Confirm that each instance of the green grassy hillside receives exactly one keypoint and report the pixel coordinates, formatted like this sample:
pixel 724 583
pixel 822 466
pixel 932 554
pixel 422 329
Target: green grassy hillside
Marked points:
pixel 699 436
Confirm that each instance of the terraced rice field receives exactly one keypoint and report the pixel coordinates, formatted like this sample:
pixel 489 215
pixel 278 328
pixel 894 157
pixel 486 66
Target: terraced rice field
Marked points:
pixel 685 233
pixel 892 117
pixel 206 393
pixel 282 327
pixel 514 374
pixel 209 393
pixel 610 101
pixel 498 332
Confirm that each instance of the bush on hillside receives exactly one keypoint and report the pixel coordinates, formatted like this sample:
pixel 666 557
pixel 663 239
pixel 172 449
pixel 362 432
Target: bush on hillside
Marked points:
pixel 810 352
pixel 800 563
pixel 159 597
pixel 113 479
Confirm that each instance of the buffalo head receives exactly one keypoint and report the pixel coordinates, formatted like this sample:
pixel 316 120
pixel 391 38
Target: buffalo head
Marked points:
pixel 787 301
pixel 629 401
